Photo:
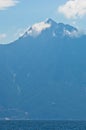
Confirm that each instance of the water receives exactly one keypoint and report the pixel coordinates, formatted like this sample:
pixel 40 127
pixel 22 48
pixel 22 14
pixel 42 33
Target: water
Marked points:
pixel 42 125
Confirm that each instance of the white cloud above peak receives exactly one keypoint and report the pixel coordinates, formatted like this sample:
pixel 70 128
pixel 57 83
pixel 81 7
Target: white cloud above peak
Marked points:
pixel 73 9
pixel 7 3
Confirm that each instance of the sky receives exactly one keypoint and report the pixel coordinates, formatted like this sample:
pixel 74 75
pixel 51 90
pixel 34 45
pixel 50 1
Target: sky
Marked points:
pixel 17 15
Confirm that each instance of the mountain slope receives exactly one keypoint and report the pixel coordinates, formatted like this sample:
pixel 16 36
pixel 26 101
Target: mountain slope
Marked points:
pixel 43 74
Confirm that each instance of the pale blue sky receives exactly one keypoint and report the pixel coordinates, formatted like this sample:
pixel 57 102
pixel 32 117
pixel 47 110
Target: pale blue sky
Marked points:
pixel 15 19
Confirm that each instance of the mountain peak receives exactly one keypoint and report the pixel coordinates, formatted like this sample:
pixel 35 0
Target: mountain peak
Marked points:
pixel 50 21
pixel 58 29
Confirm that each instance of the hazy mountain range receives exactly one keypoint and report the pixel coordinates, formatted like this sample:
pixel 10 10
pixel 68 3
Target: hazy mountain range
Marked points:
pixel 43 74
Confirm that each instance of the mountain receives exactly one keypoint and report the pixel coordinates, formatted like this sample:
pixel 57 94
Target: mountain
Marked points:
pixel 43 74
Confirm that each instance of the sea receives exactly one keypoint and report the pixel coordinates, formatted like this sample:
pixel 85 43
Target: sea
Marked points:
pixel 42 125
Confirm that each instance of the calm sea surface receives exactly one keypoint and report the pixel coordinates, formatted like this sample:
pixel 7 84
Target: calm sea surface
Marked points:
pixel 42 125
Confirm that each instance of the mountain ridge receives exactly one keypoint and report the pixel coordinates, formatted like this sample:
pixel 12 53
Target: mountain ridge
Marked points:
pixel 50 24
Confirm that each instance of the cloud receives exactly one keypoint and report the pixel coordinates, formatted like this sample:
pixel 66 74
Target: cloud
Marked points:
pixel 7 3
pixel 2 36
pixel 73 33
pixel 73 9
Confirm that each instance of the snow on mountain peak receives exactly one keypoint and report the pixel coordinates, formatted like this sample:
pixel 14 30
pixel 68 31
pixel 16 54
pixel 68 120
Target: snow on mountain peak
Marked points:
pixel 37 28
